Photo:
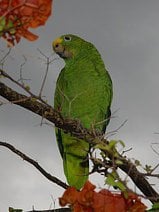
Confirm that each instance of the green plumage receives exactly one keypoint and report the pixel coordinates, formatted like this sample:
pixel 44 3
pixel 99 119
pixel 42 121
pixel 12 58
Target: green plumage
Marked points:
pixel 83 92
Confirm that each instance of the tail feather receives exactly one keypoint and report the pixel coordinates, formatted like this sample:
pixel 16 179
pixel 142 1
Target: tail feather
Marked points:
pixel 75 158
pixel 76 170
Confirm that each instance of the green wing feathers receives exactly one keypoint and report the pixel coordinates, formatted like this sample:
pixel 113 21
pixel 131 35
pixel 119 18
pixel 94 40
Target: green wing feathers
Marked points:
pixel 83 92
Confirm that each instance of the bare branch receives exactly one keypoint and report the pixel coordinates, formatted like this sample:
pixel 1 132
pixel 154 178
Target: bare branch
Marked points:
pixel 4 57
pixel 47 61
pixel 35 164
pixel 21 79
pixel 4 74
pixel 155 151
pixel 46 72
pixel 53 210
pixel 150 175
pixel 108 134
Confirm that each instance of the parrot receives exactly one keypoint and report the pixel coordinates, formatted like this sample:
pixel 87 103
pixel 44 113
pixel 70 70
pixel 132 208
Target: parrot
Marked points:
pixel 83 92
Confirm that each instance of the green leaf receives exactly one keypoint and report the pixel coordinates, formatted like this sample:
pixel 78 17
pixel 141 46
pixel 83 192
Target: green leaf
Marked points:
pixel 12 31
pixel 120 185
pixel 10 27
pixel 2 23
pixel 122 143
pixel 148 168
pixel 155 207
pixel 137 163
pixel 102 147
pixel 112 144
pixel 118 162
pixel 27 87
pixel 112 180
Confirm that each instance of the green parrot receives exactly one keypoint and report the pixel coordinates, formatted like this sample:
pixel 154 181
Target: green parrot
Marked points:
pixel 83 92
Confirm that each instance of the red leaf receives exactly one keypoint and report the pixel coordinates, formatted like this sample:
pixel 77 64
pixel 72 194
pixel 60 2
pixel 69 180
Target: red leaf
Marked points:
pixel 107 201
pixel 79 208
pixel 86 195
pixel 69 197
pixel 134 204
pixel 21 15
pixel 88 200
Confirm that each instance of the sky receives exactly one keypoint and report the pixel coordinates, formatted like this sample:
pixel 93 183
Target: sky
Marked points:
pixel 126 33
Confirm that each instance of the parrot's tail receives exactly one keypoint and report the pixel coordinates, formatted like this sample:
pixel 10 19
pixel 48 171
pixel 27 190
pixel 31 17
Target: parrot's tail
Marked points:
pixel 74 152
pixel 76 169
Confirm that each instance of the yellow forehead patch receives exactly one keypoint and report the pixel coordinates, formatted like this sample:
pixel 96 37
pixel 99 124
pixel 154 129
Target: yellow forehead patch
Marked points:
pixel 57 41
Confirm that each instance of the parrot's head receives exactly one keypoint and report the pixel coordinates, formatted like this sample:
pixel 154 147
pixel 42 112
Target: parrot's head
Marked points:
pixel 68 46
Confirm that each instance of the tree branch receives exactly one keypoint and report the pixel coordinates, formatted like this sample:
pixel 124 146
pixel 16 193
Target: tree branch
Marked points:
pixel 139 180
pixel 45 111
pixel 53 210
pixel 76 129
pixel 50 210
pixel 35 164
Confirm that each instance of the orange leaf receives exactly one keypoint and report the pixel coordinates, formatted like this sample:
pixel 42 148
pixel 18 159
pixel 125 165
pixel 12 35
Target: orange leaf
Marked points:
pixel 106 201
pixel 69 197
pixel 134 204
pixel 29 35
pixel 88 186
pixel 21 15
pixel 80 208
pixel 88 200
pixel 86 195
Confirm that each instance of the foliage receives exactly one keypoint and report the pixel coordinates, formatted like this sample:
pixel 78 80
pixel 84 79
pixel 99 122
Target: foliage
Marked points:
pixel 16 16
pixel 155 207
pixel 89 200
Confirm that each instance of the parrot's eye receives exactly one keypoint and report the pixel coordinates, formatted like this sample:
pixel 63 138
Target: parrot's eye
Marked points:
pixel 67 38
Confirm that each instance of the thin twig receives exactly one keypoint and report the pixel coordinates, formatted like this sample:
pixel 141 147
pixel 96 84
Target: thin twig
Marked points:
pixel 127 150
pixel 21 79
pixel 150 175
pixel 108 134
pixel 46 72
pixel 4 74
pixel 48 61
pixel 154 149
pixel 6 55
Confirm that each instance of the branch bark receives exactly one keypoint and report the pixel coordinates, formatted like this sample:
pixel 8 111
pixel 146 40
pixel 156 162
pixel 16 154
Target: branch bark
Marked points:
pixel 76 129
pixel 45 111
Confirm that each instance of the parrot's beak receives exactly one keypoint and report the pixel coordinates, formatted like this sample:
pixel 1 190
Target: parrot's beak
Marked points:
pixel 57 46
pixel 56 42
pixel 60 49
